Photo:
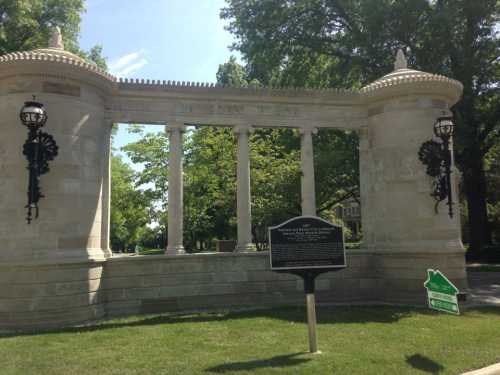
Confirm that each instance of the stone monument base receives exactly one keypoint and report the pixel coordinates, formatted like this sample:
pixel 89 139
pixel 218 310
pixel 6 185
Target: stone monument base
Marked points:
pixel 47 296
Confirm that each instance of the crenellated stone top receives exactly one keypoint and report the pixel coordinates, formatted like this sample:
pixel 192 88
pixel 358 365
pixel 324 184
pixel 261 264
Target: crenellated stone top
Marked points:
pixel 143 84
pixel 390 84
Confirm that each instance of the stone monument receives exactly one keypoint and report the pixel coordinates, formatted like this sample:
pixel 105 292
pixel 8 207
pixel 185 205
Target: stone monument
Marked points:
pixel 59 271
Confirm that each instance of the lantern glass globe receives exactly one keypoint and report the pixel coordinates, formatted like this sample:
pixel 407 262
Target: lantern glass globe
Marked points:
pixel 443 128
pixel 33 115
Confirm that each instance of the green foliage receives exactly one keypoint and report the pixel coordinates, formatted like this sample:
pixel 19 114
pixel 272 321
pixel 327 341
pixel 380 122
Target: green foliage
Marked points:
pixel 129 207
pixel 95 56
pixel 492 169
pixel 27 24
pixel 319 43
pixel 231 74
pixel 152 152
pixel 210 185
pixel 275 180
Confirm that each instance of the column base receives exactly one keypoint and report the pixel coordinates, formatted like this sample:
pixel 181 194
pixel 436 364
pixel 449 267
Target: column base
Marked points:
pixel 245 248
pixel 175 250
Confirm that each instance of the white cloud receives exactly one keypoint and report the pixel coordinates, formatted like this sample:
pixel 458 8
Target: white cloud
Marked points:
pixel 133 67
pixel 128 63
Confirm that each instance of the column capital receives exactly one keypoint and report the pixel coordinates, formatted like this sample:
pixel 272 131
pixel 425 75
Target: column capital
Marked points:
pixel 249 129
pixel 304 131
pixel 175 126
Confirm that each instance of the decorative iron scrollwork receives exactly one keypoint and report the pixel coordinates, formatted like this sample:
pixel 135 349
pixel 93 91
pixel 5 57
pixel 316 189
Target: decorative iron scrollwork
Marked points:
pixel 39 149
pixel 436 156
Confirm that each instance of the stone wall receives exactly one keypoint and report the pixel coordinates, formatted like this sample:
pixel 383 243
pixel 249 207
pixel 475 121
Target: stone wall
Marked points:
pixel 146 284
pixel 44 296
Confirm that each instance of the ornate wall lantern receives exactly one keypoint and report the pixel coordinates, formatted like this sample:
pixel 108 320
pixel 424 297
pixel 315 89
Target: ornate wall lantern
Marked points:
pixel 39 149
pixel 436 156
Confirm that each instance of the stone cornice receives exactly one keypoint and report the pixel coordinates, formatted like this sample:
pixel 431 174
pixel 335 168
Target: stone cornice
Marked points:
pixel 408 82
pixel 397 83
pixel 155 101
pixel 57 56
pixel 124 84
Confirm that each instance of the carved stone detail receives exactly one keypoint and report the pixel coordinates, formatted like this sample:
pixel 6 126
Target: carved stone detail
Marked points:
pixel 56 40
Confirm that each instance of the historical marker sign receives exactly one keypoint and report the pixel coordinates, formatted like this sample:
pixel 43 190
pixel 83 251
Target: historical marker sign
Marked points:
pixel 441 293
pixel 307 246
pixel 306 242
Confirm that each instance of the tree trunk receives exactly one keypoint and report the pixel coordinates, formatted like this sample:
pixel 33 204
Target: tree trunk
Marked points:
pixel 475 192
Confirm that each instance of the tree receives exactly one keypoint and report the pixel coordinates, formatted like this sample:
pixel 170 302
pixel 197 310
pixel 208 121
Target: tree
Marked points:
pixel 129 207
pixel 231 74
pixel 152 152
pixel 95 56
pixel 27 25
pixel 492 170
pixel 210 185
pixel 349 43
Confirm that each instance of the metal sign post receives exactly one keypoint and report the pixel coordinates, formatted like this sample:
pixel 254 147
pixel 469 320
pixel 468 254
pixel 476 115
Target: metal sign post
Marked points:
pixel 311 309
pixel 307 246
pixel 311 322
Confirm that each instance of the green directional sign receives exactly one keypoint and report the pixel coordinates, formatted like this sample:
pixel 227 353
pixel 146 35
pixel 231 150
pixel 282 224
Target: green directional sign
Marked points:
pixel 441 293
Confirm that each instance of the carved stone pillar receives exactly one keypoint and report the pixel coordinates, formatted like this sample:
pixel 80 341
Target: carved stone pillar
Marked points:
pixel 175 190
pixel 243 195
pixel 307 169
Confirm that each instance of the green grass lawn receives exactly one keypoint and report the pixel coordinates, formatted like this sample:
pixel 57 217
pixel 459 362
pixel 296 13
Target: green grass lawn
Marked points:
pixel 353 340
pixel 152 252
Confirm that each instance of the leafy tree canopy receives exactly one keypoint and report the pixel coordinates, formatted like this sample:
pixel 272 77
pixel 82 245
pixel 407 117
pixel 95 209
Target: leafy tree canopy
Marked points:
pixel 129 207
pixel 27 25
pixel 348 43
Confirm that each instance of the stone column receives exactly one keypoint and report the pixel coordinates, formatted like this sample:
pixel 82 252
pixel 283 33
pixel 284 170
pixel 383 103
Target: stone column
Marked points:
pixel 106 192
pixel 399 222
pixel 175 190
pixel 307 169
pixel 243 195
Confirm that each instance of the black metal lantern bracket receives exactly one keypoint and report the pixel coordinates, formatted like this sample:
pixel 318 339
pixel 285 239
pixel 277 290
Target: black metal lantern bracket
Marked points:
pixel 435 154
pixel 39 149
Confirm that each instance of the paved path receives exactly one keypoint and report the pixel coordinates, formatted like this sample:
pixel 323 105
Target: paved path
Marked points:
pixel 484 288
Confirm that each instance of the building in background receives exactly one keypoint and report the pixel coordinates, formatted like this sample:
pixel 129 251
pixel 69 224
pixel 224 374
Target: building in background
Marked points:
pixel 350 213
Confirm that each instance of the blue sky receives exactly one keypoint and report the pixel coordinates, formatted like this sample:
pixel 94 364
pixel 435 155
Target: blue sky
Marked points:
pixel 182 40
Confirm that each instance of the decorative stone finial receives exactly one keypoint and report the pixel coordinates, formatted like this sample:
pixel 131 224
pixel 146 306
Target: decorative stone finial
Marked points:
pixel 56 40
pixel 400 62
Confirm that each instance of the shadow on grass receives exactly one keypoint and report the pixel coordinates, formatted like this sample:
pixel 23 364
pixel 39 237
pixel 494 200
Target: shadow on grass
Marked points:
pixel 425 364
pixel 326 315
pixel 277 361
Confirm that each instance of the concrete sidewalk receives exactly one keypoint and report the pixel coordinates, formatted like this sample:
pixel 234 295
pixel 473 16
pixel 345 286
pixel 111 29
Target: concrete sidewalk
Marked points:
pixel 490 370
pixel 484 289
